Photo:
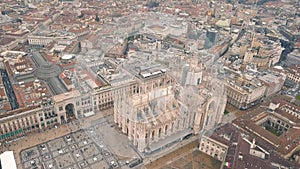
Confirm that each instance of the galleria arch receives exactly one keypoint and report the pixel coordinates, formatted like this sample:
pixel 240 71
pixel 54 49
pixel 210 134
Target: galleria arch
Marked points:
pixel 66 107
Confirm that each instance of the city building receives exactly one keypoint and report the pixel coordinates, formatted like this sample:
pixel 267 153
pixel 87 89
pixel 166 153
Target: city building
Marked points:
pixel 214 147
pixel 273 82
pixel 211 38
pixel 293 73
pixel 243 93
pixel 45 37
pixel 236 148
pixel 275 125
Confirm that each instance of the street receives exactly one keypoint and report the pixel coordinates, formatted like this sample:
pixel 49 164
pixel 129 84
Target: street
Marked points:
pixel 9 90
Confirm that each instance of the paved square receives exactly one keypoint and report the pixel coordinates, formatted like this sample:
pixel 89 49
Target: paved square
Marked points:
pixel 64 160
pixel 57 144
pixel 90 148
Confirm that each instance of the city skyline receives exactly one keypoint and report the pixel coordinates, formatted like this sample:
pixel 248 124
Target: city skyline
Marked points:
pixel 150 84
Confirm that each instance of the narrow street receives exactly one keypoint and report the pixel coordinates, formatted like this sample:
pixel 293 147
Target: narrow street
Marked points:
pixel 9 90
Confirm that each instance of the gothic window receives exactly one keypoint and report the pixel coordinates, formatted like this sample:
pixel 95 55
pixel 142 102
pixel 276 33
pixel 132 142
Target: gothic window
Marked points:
pixel 166 130
pixel 159 132
pixel 152 135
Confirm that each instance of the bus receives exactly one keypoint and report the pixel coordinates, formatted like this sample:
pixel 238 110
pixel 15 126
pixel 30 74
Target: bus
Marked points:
pixel 135 162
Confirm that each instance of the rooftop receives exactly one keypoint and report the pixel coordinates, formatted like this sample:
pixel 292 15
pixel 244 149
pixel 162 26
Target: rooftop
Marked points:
pixel 240 143
pixel 286 142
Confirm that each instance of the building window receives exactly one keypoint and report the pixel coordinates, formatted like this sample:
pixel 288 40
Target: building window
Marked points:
pixel 60 108
pixel 166 130
pixel 159 132
pixel 152 135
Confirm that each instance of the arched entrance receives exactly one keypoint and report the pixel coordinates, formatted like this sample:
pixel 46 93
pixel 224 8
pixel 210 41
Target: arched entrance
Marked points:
pixel 70 111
